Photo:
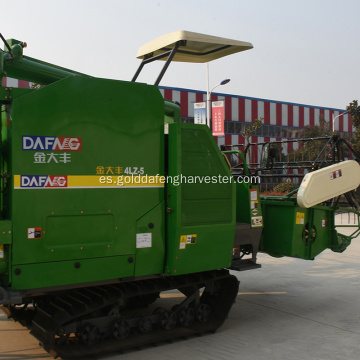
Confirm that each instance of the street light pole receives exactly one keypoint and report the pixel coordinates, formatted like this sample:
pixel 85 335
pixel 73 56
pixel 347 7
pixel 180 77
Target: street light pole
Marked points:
pixel 207 96
pixel 333 120
pixel 208 102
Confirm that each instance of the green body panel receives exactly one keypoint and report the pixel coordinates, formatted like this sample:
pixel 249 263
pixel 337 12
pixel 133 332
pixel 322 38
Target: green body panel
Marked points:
pixel 201 216
pixel 151 228
pixel 5 247
pixel 5 264
pixel 7 94
pixel 297 232
pixel 323 221
pixel 71 272
pixel 5 232
pixel 118 122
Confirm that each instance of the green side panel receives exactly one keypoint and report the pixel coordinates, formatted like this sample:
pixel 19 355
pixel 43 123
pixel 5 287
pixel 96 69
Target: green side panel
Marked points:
pixel 282 234
pixel 120 127
pixel 95 228
pixel 5 250
pixel 5 232
pixel 324 225
pixel 5 264
pixel 297 232
pixel 70 272
pixel 248 205
pixel 243 203
pixel 201 217
pixel 150 244
pixel 5 246
pixel 203 203
pixel 4 161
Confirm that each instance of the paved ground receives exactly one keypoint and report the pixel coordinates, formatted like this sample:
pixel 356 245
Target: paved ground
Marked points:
pixel 289 309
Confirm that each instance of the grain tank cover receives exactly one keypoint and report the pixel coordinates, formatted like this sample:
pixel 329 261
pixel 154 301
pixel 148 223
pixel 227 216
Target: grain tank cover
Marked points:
pixel 196 48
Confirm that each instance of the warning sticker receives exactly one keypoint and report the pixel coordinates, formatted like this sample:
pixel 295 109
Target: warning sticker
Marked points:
pixel 324 222
pixel 253 195
pixel 191 239
pixel 34 233
pixel 187 240
pixel 335 174
pixel 143 240
pixel 1 251
pixel 182 242
pixel 256 221
pixel 254 204
pixel 300 218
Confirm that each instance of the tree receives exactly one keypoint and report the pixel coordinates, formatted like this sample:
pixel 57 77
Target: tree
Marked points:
pixel 354 110
pixel 249 130
pixel 308 150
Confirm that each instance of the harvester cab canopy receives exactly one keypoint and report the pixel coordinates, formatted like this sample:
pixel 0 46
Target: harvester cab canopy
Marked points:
pixel 186 46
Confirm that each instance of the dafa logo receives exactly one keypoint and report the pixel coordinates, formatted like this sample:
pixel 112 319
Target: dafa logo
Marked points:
pixel 43 181
pixel 51 143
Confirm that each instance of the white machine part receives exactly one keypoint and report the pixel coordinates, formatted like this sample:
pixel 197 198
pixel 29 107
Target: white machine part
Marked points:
pixel 196 48
pixel 327 183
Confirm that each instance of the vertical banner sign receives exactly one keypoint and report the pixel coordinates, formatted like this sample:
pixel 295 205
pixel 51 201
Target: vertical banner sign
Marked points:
pixel 199 113
pixel 218 118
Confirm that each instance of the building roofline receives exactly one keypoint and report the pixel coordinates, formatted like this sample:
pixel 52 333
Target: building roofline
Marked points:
pixel 250 98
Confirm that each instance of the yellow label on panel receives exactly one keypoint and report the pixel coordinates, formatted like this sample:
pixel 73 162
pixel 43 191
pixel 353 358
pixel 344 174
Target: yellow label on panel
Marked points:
pixel 182 242
pixel 191 239
pixel 300 218
pixel 187 240
pixel 1 251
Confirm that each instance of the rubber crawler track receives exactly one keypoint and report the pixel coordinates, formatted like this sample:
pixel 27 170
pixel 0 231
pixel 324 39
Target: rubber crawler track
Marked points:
pixel 55 313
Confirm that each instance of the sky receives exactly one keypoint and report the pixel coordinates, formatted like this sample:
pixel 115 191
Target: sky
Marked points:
pixel 305 52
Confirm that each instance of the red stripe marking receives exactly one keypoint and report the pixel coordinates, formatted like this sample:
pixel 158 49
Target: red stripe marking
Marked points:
pixel 301 116
pixel 340 119
pixel 228 139
pixel 331 113
pixel 184 102
pixel 23 84
pixel 290 115
pixel 266 112
pixel 167 94
pixel 312 117
pixel 278 114
pixel 242 110
pixel 199 97
pixel 228 111
pixel 254 110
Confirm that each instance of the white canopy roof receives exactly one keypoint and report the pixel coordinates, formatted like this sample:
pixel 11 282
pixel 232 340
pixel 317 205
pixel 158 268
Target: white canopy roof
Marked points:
pixel 197 48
